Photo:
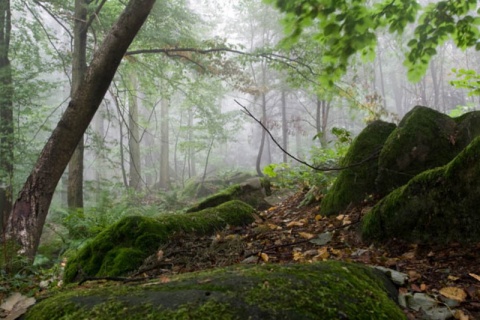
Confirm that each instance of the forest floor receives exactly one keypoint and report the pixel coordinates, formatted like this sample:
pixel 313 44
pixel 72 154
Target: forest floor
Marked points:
pixel 290 233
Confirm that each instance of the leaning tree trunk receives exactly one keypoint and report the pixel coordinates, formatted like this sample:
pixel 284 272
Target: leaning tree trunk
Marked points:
pixel 31 208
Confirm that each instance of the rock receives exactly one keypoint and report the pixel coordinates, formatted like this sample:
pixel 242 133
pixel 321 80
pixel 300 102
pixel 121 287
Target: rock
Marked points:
pixel 323 290
pixel 124 246
pixel 423 140
pixel 397 278
pixel 253 191
pixel 437 206
pixel 354 184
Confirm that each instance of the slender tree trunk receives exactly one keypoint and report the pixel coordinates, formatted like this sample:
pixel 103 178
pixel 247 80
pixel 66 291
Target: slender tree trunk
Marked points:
pixel 192 171
pixel 120 143
pixel 205 169
pixel 6 116
pixel 79 66
pixel 31 207
pixel 100 155
pixel 258 164
pixel 134 135
pixel 382 81
pixel 164 145
pixel 284 126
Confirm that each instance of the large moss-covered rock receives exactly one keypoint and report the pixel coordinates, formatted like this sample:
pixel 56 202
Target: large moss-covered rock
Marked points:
pixel 122 247
pixel 354 184
pixel 253 191
pixel 468 128
pixel 423 140
pixel 326 290
pixel 438 205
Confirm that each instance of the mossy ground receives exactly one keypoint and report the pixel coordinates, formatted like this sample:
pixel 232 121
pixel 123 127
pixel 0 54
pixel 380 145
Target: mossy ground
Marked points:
pixel 122 247
pixel 438 205
pixel 354 184
pixel 326 290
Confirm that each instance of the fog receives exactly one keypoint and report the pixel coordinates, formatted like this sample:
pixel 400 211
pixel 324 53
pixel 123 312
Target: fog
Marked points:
pixel 189 119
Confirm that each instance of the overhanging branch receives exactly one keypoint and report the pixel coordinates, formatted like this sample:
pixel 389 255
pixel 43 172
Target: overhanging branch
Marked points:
pixel 324 169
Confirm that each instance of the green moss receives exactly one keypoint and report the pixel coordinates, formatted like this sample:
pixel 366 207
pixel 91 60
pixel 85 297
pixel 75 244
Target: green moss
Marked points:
pixel 123 246
pixel 423 140
pixel 354 184
pixel 327 290
pixel 247 192
pixel 438 205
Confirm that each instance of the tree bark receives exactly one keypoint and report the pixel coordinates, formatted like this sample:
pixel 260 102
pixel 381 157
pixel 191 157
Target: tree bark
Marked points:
pixel 164 145
pixel 31 207
pixel 6 116
pixel 79 67
pixel 284 126
pixel 135 182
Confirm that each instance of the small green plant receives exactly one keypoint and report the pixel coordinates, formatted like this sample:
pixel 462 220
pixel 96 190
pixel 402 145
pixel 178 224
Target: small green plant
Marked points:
pixel 285 175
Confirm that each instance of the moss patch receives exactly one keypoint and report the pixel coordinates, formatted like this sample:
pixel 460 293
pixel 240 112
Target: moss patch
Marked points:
pixel 423 140
pixel 327 290
pixel 252 191
pixel 122 247
pixel 438 205
pixel 354 184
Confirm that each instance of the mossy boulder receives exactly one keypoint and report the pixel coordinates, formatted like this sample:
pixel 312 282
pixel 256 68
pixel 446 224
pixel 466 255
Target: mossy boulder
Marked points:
pixel 123 246
pixel 423 140
pixel 354 184
pixel 326 290
pixel 468 128
pixel 253 191
pixel 438 205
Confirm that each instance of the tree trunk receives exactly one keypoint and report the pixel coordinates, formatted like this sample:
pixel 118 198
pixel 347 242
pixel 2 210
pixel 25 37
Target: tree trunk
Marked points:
pixel 284 126
pixel 100 155
pixel 6 116
pixel 192 171
pixel 164 145
pixel 258 164
pixel 79 66
pixel 135 182
pixel 31 207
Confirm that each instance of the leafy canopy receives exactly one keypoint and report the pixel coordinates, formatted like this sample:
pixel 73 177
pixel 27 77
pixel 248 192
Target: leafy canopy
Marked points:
pixel 347 27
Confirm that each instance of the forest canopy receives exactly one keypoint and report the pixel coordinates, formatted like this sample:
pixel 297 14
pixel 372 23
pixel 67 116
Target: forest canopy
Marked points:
pixel 350 26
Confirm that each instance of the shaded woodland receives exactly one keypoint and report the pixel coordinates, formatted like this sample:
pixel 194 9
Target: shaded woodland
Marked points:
pixel 164 109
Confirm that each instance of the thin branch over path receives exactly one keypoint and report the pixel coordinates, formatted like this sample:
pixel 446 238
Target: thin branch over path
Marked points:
pixel 324 169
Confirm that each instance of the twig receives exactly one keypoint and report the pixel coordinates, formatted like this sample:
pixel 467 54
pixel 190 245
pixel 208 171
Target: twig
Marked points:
pixel 372 156
pixel 120 279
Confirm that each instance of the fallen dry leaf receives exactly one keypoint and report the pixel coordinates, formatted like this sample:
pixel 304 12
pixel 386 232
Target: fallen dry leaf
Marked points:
pixel 318 217
pixel 295 224
pixel 264 256
pixel 306 235
pixel 297 256
pixel 460 315
pixel 475 276
pixel 454 293
pixel 452 278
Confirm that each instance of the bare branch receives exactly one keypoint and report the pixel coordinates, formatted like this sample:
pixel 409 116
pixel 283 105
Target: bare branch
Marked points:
pixel 324 169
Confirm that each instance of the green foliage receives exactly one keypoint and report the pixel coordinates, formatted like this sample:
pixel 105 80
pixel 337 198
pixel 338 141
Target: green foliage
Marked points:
pixel 284 175
pixel 349 27
pixel 467 79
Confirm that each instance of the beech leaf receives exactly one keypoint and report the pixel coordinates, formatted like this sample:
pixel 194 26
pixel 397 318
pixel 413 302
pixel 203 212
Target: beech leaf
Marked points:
pixel 454 293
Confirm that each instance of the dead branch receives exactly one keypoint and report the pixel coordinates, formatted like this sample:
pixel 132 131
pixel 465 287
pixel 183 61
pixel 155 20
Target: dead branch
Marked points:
pixel 372 156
